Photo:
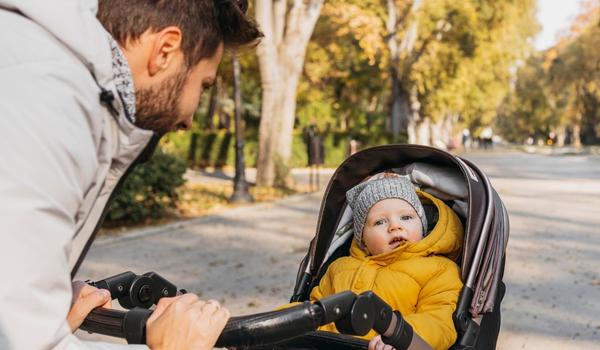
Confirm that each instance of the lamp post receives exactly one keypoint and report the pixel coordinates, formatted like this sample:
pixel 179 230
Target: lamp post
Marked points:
pixel 240 186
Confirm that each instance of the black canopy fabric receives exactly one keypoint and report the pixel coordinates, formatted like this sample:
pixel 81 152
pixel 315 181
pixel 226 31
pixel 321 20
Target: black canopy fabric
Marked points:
pixel 486 225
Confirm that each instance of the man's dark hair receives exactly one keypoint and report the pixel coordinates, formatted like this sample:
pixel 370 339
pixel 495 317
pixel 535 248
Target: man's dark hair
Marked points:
pixel 204 23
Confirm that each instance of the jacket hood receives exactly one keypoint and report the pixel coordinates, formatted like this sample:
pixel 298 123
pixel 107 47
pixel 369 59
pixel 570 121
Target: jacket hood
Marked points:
pixel 74 24
pixel 445 238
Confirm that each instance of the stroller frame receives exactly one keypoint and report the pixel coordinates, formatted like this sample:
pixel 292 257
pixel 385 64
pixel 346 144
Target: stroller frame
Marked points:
pixel 477 324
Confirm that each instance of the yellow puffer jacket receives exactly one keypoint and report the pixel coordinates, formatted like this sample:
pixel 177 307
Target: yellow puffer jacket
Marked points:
pixel 419 279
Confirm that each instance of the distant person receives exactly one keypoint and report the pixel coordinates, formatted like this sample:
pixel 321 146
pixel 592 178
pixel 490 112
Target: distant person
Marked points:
pixel 353 146
pixel 466 139
pixel 403 255
pixel 487 135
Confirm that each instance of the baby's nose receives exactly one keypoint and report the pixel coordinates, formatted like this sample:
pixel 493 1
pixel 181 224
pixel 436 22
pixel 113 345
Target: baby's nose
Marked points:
pixel 395 225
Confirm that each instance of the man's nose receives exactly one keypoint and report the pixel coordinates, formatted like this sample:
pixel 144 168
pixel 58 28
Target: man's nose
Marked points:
pixel 185 124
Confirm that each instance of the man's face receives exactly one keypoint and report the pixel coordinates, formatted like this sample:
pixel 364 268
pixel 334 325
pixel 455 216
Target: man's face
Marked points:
pixel 169 103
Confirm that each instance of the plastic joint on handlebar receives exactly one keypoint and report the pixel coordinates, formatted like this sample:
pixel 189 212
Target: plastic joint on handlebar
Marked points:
pixel 334 306
pixel 402 334
pixel 360 319
pixel 134 325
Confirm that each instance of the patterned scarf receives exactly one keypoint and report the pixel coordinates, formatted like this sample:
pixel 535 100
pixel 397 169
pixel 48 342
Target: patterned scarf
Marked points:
pixel 123 79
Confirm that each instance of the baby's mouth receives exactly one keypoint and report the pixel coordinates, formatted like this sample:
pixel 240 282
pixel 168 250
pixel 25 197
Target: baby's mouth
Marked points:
pixel 396 241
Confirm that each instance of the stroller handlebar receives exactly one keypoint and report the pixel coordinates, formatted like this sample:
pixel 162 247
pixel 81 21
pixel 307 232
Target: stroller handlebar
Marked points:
pixel 244 331
pixel 352 314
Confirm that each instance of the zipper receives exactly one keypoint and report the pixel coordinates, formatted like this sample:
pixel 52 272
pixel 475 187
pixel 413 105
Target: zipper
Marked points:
pixel 142 157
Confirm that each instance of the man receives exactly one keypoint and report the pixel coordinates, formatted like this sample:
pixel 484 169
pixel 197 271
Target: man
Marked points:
pixel 79 107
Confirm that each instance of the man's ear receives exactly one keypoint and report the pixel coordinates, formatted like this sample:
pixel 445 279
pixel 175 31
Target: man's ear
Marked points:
pixel 167 45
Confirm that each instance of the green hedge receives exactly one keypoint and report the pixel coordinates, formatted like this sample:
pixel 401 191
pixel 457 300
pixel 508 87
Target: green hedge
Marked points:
pixel 217 148
pixel 149 190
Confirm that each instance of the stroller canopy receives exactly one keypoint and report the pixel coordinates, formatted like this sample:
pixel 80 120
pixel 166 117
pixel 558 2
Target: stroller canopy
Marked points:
pixel 485 218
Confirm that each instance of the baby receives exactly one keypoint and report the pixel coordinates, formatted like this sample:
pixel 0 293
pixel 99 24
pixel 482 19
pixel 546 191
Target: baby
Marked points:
pixel 395 254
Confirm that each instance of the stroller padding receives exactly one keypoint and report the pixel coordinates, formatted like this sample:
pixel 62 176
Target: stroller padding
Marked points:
pixel 443 182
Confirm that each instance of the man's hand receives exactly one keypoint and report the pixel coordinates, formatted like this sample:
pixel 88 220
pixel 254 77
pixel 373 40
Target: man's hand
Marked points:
pixel 377 344
pixel 185 322
pixel 85 299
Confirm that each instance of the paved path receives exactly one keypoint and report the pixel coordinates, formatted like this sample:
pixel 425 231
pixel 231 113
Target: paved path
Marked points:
pixel 553 256
pixel 248 257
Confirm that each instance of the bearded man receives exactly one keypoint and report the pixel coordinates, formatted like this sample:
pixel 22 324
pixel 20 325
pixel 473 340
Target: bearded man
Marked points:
pixel 82 100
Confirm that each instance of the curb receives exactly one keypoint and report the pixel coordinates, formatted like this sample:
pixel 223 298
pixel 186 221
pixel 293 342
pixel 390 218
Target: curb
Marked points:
pixel 130 235
pixel 557 151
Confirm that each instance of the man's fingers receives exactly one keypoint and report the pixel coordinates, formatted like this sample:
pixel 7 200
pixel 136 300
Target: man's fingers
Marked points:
pixel 81 289
pixel 85 304
pixel 221 316
pixel 184 300
pixel 161 306
pixel 210 307
pixel 92 300
pixel 373 342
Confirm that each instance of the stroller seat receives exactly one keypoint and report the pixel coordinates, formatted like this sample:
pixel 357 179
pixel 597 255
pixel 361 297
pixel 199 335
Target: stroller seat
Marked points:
pixel 465 188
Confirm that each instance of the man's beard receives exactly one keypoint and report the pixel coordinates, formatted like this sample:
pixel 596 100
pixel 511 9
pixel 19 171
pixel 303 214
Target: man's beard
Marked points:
pixel 157 109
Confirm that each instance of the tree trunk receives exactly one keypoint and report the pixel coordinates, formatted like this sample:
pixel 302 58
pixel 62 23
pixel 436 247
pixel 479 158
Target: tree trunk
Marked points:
pixel 561 135
pixel 412 131
pixel 281 58
pixel 436 134
pixel 224 118
pixel 423 132
pixel 576 135
pixel 415 120
pixel 400 106
pixel 212 106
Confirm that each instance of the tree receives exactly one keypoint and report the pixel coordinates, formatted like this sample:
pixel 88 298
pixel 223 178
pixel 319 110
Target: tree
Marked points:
pixel 574 70
pixel 281 58
pixel 558 90
pixel 343 78
pixel 530 110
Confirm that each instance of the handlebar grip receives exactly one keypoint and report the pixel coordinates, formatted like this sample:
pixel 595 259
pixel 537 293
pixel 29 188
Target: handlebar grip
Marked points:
pixel 105 321
pixel 270 327
pixel 134 325
pixel 130 325
pixel 401 336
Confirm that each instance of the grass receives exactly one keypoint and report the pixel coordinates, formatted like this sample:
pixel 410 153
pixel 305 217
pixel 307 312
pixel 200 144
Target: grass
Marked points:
pixel 201 199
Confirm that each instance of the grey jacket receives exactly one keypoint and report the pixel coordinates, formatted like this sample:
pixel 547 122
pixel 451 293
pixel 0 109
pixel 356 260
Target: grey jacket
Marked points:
pixel 62 152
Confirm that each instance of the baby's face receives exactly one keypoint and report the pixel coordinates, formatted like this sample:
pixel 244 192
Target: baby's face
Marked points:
pixel 389 223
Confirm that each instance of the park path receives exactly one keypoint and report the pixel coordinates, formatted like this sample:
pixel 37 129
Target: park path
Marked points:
pixel 247 257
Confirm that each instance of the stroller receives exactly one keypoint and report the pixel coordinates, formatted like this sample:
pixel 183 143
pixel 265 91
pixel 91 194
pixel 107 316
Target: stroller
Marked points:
pixel 457 181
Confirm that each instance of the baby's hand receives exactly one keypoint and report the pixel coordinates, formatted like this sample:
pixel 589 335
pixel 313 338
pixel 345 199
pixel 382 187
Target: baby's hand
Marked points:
pixel 377 344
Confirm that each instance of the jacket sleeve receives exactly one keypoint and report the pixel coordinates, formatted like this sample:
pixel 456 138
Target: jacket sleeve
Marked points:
pixel 432 319
pixel 325 286
pixel 46 161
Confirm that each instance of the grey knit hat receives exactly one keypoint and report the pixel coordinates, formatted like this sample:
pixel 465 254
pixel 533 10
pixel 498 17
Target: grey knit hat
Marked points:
pixel 362 197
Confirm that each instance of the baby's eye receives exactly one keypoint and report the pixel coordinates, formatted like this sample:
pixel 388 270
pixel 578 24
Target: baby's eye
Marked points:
pixel 379 222
pixel 406 217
